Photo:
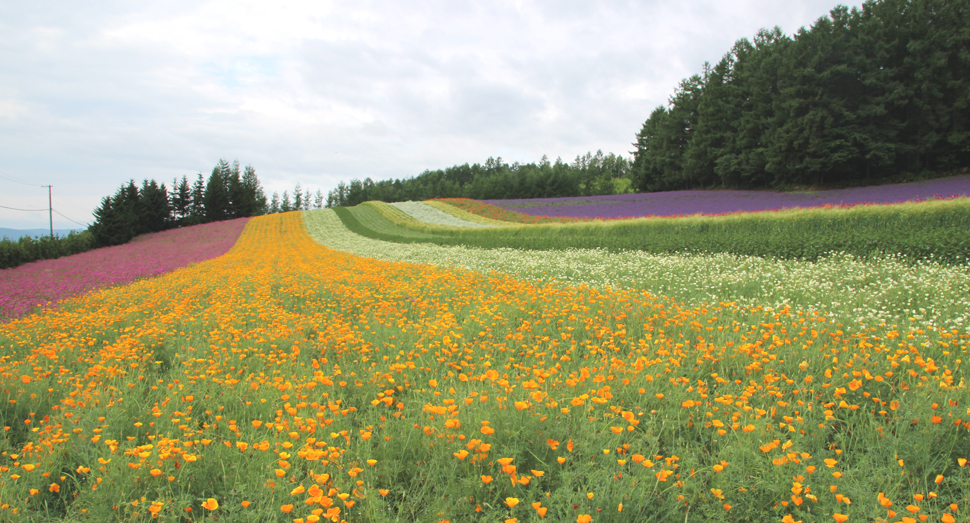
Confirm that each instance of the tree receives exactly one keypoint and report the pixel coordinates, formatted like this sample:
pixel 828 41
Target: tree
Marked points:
pixel 153 210
pixel 115 220
pixel 197 208
pixel 297 197
pixel 285 204
pixel 239 201
pixel 648 160
pixel 217 202
pixel 274 206
pixel 253 198
pixel 104 224
pixel 181 202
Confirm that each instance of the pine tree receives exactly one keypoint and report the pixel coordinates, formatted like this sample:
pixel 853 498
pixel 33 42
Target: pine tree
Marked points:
pixel 254 197
pixel 217 203
pixel 153 209
pixel 181 199
pixel 239 201
pixel 285 204
pixel 197 209
pixel 297 197
pixel 104 221
pixel 274 205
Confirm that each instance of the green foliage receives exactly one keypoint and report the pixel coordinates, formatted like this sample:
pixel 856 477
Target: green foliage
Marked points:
pixel 863 95
pixel 217 202
pixel 933 230
pixel 588 175
pixel 27 249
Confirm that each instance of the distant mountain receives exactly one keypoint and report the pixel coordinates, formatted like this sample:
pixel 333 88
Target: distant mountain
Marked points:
pixel 16 234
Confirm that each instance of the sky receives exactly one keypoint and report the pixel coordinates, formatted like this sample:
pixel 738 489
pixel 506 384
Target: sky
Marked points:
pixel 95 93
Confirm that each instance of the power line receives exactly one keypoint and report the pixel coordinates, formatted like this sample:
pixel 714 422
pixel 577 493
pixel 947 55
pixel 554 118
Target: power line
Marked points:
pixel 70 220
pixel 74 206
pixel 49 209
pixel 17 180
pixel 26 210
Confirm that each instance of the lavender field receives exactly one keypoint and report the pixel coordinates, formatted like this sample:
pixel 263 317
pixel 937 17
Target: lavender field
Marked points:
pixel 683 203
pixel 25 288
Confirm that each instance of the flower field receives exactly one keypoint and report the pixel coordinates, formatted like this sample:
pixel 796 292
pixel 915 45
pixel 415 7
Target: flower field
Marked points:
pixel 843 287
pixel 684 203
pixel 496 212
pixel 427 214
pixel 285 381
pixel 28 287
pixel 933 231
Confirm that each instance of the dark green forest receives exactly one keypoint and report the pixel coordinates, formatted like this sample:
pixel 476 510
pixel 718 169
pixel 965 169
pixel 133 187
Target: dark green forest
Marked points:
pixel 862 96
pixel 588 175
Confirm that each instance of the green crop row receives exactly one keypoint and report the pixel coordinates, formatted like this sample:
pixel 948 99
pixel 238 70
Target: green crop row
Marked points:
pixel 937 230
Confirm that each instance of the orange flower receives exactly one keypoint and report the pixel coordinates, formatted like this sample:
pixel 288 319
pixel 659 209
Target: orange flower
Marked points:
pixel 286 508
pixel 210 504
pixel 511 502
pixel 584 518
pixel 841 518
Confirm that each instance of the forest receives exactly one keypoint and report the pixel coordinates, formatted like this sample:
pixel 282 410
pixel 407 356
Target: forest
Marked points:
pixel 588 175
pixel 863 96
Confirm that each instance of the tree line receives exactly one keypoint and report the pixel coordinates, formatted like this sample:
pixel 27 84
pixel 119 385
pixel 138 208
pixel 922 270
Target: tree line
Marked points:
pixel 27 249
pixel 588 175
pixel 863 95
pixel 135 210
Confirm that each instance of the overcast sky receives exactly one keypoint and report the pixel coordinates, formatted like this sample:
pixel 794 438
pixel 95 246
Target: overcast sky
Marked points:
pixel 95 93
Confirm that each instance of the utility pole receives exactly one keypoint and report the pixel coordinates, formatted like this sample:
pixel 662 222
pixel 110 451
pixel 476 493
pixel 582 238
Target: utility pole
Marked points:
pixel 50 208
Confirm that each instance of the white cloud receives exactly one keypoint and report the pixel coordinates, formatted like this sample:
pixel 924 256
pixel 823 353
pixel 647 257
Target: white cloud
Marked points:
pixel 95 93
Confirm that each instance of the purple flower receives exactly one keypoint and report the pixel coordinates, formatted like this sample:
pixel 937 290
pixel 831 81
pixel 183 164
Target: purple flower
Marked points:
pixel 46 282
pixel 682 203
